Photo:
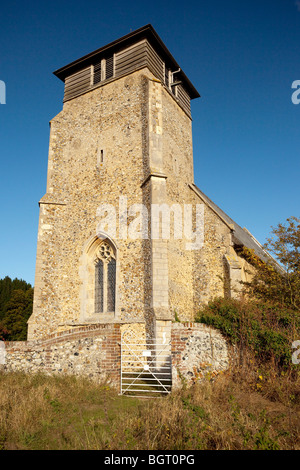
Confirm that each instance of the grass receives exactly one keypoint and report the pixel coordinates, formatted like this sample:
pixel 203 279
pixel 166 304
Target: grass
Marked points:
pixel 146 384
pixel 248 409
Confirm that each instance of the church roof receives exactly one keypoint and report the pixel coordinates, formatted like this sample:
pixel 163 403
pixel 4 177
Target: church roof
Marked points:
pixel 241 236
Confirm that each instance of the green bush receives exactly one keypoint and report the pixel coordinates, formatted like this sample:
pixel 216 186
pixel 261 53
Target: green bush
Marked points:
pixel 267 330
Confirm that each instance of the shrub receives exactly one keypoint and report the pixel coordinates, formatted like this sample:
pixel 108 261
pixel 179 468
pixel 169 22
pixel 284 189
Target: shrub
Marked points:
pixel 266 329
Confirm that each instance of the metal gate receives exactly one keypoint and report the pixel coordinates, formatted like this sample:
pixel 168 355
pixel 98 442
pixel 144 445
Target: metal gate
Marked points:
pixel 146 368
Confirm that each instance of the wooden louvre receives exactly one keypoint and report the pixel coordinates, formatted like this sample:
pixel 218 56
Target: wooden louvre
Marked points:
pixel 131 58
pixel 184 99
pixel 142 48
pixel 109 68
pixel 97 73
pixel 77 83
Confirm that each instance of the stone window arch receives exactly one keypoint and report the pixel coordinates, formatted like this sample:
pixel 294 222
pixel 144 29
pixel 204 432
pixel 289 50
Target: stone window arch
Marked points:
pixel 99 274
pixel 105 279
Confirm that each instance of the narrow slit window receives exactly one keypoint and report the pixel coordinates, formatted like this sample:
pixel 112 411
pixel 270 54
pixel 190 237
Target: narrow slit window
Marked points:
pixel 109 67
pixel 167 77
pixel 97 73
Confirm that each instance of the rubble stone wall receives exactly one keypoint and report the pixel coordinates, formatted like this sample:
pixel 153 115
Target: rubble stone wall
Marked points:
pixel 94 352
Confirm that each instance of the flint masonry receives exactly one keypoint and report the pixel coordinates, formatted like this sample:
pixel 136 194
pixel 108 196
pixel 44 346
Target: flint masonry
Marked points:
pixel 125 133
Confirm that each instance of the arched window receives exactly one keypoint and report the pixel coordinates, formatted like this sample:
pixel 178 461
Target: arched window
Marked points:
pixel 99 271
pixel 105 279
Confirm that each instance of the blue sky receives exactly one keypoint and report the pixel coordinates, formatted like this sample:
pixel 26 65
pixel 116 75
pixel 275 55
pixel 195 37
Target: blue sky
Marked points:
pixel 242 56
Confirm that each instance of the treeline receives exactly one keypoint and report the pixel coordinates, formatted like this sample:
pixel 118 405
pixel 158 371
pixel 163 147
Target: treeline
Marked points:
pixel 16 301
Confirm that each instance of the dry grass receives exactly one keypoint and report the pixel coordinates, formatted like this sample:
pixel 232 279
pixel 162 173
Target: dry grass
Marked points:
pixel 250 409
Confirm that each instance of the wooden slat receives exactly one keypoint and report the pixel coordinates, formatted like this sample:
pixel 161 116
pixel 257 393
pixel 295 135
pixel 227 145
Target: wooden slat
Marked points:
pixel 109 69
pixel 155 55
pixel 77 90
pixel 128 59
pixel 183 95
pixel 79 86
pixel 154 68
pixel 78 76
pixel 134 54
pixel 85 79
pixel 97 73
pixel 71 96
pixel 156 62
pixel 124 55
pixel 158 65
pixel 184 99
pixel 130 48
pixel 184 104
pixel 78 79
pixel 133 66
pixel 166 77
pixel 77 83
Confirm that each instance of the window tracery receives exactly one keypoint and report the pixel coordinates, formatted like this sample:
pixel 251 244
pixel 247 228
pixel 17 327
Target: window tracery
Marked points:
pixel 105 279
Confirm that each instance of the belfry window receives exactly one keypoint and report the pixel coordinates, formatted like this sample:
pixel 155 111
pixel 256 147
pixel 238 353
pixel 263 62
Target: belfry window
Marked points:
pixel 97 73
pixel 105 279
pixel 109 70
pixel 103 70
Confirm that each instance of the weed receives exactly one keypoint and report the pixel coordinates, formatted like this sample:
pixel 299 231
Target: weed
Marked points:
pixel 68 414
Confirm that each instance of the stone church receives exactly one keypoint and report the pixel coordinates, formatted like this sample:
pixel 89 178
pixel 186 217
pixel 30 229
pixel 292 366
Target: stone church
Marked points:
pixel 125 236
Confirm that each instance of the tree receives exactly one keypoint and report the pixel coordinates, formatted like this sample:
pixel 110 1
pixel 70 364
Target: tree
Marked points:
pixel 17 311
pixel 16 298
pixel 4 333
pixel 270 283
pixel 7 286
pixel 267 320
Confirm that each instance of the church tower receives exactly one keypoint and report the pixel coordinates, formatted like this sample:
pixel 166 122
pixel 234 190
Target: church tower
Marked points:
pixel 122 142
pixel 121 235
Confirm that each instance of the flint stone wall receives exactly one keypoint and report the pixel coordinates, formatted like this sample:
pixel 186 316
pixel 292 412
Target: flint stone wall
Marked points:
pixel 198 352
pixel 92 351
pixel 95 352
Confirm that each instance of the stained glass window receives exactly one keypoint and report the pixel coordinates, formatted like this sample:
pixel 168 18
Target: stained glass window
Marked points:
pixel 99 287
pixel 111 285
pixel 105 279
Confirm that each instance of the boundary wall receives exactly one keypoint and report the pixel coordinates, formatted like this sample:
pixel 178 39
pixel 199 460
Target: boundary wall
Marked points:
pixel 94 351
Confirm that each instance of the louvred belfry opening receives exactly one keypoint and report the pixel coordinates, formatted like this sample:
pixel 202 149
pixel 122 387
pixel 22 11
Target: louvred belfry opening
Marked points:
pixel 97 73
pixel 109 67
pixel 135 51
